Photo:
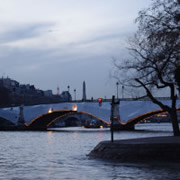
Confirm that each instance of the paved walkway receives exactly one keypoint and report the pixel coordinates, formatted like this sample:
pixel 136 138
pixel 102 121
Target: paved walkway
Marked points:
pixel 142 149
pixel 149 140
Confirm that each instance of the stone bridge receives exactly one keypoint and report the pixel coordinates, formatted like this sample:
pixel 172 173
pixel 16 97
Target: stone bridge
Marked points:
pixel 80 118
pixel 74 118
pixel 131 112
pixel 130 125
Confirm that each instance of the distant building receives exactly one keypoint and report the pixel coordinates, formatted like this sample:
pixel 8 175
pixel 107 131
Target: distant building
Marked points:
pixel 48 93
pixel 8 83
pixel 15 87
pixel 12 92
pixel 65 96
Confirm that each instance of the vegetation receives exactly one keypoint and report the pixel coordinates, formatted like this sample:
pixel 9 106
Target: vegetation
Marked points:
pixel 4 96
pixel 155 54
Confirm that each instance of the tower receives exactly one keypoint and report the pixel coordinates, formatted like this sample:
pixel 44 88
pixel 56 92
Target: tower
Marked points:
pixel 58 91
pixel 84 91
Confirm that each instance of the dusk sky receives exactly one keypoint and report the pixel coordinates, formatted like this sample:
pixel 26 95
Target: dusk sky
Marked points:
pixel 52 43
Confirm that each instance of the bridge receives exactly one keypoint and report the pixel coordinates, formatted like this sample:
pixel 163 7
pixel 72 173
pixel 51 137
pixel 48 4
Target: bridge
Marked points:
pixel 131 112
pixel 44 121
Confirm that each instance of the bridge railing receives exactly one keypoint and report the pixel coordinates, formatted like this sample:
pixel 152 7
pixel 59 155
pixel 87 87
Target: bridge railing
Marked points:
pixel 144 98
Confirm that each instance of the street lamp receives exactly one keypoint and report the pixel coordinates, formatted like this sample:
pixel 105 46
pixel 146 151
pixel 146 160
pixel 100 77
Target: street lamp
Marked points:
pixel 68 87
pixel 122 91
pixel 75 94
pixel 117 84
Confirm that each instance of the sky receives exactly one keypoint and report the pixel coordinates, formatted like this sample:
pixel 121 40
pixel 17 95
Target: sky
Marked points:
pixel 50 43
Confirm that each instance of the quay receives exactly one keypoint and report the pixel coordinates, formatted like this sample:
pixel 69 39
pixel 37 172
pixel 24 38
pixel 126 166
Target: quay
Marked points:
pixel 158 149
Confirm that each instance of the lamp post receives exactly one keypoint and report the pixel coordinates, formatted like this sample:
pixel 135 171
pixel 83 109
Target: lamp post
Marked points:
pixel 74 94
pixel 117 84
pixel 68 87
pixel 112 119
pixel 122 91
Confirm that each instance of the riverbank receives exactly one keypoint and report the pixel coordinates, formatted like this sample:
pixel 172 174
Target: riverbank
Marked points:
pixel 166 148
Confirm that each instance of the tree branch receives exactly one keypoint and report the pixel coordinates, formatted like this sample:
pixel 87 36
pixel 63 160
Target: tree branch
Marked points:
pixel 154 100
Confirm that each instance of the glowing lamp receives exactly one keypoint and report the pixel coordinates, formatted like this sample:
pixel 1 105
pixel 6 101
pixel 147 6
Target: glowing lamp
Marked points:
pixel 100 101
pixel 50 110
pixel 74 107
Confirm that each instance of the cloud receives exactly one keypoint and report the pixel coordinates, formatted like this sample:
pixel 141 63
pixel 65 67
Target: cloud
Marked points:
pixel 21 32
pixel 74 21
pixel 50 42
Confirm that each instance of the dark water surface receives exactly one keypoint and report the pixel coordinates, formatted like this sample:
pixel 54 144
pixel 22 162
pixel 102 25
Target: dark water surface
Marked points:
pixel 62 154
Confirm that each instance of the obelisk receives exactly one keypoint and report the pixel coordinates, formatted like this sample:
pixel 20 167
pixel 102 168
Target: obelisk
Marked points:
pixel 84 91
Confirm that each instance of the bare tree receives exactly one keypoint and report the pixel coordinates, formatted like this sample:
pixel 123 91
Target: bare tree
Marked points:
pixel 177 77
pixel 155 52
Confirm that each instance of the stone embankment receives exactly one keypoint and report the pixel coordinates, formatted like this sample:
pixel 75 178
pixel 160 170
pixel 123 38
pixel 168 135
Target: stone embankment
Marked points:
pixel 139 150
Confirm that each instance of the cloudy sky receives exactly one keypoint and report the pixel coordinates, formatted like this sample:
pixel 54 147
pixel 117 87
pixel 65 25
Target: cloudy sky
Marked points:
pixel 52 43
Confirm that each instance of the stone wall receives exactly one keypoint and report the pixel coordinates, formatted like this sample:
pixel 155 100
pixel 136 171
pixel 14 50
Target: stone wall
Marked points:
pixel 139 150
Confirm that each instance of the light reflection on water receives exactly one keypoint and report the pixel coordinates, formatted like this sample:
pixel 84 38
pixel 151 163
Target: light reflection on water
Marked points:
pixel 62 154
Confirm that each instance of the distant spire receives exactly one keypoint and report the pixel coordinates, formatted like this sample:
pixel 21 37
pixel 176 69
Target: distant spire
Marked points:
pixel 58 91
pixel 84 91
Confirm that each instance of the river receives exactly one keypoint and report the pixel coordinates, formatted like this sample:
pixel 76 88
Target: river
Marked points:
pixel 62 154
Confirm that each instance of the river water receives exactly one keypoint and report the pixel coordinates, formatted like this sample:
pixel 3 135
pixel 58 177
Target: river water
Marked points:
pixel 62 154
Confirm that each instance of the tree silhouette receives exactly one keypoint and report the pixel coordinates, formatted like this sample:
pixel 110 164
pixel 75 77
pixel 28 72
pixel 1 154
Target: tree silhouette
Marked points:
pixel 5 99
pixel 155 54
pixel 177 77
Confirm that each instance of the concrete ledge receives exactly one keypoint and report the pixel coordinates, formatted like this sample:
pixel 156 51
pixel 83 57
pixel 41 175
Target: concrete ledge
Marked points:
pixel 139 150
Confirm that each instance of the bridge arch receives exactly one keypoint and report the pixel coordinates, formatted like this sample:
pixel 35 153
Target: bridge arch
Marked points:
pixel 143 117
pixel 72 121
pixel 43 121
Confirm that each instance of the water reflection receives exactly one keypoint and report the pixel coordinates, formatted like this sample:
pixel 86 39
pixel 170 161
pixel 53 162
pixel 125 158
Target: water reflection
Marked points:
pixel 100 136
pixel 62 154
pixel 49 133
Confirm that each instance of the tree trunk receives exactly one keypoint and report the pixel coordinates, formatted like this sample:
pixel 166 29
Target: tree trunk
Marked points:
pixel 175 124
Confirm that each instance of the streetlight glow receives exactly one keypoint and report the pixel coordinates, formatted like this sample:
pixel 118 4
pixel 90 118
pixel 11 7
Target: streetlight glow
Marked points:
pixel 74 108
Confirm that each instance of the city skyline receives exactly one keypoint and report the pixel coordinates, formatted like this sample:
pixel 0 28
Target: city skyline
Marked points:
pixel 57 43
